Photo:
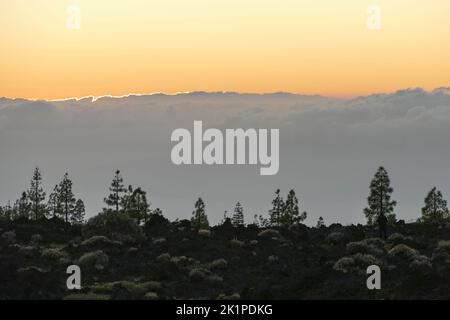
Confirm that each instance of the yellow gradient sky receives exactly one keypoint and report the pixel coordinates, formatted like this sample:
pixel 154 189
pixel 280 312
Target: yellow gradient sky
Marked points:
pixel 143 46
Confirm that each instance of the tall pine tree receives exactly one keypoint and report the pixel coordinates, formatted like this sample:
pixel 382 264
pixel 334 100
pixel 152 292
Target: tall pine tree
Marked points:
pixel 238 215
pixel 285 214
pixel 199 218
pixel 66 198
pixel 22 207
pixel 36 195
pixel 54 204
pixel 117 189
pixel 320 223
pixel 277 209
pixel 291 214
pixel 136 204
pixel 379 200
pixel 435 209
pixel 79 210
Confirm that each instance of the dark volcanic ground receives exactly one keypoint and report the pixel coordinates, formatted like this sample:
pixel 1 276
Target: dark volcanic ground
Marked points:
pixel 164 260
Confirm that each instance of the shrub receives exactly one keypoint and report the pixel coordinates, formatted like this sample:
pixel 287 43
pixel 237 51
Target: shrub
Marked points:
pixel 152 285
pixel 27 251
pixel 151 296
pixel 204 233
pixel 344 264
pixel 199 274
pixel 204 275
pixel 36 239
pixel 234 296
pixel 443 246
pixel 253 242
pixel 218 264
pixel 135 289
pixel 159 241
pixel 237 243
pixel 403 252
pixel 9 237
pixel 272 258
pixel 86 296
pixel 377 242
pixel 355 263
pixel 165 257
pixel 421 264
pixel 96 259
pixel 366 246
pixel 336 238
pixel 441 254
pixel 98 241
pixel 115 226
pixel 214 279
pixel 53 254
pixel 398 238
pixel 180 261
pixel 269 233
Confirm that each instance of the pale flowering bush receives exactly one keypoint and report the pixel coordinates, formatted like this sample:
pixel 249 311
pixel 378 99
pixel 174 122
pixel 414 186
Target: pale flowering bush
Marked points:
pixel 164 257
pixel 403 252
pixel 36 239
pixel 441 257
pixel 151 296
pixel 398 238
pixel 443 246
pixel 366 246
pixel 204 233
pixel 200 274
pixel 234 296
pixel 237 243
pixel 269 233
pixel 421 264
pixel 218 264
pixel 9 237
pixel 99 241
pixel 356 263
pixel 96 259
pixel 336 238
pixel 53 254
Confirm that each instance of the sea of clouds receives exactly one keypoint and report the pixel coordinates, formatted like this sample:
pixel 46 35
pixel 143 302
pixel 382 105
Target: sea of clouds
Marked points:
pixel 329 149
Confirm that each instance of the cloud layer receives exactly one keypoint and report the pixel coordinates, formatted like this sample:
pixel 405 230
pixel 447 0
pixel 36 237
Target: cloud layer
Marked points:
pixel 329 149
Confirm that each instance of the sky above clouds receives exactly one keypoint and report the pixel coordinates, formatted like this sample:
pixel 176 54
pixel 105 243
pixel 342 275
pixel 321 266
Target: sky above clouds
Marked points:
pixel 301 46
pixel 330 149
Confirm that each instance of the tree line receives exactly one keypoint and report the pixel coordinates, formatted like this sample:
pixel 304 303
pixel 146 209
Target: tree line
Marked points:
pixel 62 204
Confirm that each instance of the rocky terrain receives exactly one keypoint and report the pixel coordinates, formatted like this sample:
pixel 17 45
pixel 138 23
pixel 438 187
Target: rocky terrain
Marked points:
pixel 171 260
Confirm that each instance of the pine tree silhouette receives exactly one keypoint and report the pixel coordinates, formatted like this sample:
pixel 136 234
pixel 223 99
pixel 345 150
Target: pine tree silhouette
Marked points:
pixel 379 200
pixel 66 198
pixel 435 209
pixel 117 188
pixel 136 205
pixel 23 207
pixel 238 216
pixel 320 223
pixel 79 210
pixel 199 219
pixel 54 204
pixel 277 209
pixel 36 195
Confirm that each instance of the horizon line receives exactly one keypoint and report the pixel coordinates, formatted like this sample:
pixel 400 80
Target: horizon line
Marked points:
pixel 94 98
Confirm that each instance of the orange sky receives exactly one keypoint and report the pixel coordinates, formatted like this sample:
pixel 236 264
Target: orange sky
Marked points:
pixel 141 46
